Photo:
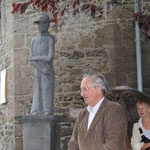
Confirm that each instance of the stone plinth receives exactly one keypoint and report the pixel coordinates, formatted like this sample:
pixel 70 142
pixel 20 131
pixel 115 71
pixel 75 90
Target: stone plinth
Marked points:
pixel 41 132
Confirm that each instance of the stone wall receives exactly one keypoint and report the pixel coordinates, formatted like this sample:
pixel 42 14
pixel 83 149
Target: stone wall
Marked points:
pixel 83 45
pixel 7 133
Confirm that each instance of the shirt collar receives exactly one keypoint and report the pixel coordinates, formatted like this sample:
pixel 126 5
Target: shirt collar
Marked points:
pixel 96 107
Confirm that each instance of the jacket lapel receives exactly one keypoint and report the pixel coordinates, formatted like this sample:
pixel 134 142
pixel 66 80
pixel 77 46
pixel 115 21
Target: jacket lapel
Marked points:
pixel 84 124
pixel 97 117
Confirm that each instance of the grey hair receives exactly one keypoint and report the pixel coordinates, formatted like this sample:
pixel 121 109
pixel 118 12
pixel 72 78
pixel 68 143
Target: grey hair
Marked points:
pixel 98 80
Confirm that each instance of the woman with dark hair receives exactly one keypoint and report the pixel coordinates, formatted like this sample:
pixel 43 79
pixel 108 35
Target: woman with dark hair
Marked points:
pixel 141 130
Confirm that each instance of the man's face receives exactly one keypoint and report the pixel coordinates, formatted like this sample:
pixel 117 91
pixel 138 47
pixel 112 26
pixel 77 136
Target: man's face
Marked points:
pixel 89 92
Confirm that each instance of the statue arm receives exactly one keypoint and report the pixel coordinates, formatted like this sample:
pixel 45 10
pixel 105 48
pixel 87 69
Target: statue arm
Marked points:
pixel 41 66
pixel 51 49
pixel 50 56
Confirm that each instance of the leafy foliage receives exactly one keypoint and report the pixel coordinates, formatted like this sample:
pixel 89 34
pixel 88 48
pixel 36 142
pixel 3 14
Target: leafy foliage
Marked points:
pixel 95 7
pixel 144 22
pixel 55 9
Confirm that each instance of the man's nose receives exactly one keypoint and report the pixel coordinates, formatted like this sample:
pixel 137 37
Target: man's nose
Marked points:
pixel 82 93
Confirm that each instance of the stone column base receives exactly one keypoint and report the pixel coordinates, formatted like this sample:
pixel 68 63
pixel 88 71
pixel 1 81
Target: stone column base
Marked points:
pixel 41 132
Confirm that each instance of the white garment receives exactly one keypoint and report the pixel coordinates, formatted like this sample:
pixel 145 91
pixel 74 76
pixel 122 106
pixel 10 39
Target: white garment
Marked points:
pixel 136 137
pixel 92 112
pixel 145 132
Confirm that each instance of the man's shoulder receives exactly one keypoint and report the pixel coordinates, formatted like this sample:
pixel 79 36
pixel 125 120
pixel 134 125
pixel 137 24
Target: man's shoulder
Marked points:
pixel 115 110
pixel 113 106
pixel 82 112
pixel 111 103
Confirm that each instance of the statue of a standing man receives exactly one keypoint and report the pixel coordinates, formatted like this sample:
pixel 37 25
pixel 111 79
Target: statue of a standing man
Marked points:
pixel 41 57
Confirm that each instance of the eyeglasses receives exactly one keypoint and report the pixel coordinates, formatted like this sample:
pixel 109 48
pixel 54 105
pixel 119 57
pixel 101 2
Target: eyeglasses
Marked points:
pixel 86 89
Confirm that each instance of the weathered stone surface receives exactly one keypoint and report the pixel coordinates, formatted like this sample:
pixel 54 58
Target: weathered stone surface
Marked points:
pixel 102 67
pixel 96 53
pixel 23 26
pixel 22 86
pixel 18 56
pixel 76 55
pixel 19 41
pixel 68 97
pixel 76 71
pixel 119 13
pixel 86 43
pixel 19 143
pixel 109 34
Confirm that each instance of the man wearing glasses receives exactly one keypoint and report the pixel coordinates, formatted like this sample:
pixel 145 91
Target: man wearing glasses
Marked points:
pixel 102 125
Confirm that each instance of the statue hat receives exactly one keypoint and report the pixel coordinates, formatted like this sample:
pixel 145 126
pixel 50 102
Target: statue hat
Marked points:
pixel 43 18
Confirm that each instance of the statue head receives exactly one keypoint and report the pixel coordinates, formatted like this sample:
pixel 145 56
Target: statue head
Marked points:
pixel 43 23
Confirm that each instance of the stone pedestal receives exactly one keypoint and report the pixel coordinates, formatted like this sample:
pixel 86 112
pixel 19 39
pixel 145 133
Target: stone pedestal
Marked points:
pixel 41 132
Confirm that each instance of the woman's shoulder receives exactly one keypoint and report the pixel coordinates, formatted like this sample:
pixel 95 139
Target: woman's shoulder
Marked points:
pixel 136 125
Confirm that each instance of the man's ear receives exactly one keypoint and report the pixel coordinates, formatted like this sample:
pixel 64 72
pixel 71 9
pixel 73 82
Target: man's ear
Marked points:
pixel 99 89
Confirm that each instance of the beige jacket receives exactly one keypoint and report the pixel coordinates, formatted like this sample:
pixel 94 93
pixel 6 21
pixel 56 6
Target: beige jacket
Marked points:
pixel 107 131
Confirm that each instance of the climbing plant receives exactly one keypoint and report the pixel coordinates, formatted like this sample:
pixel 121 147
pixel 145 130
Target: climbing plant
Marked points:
pixel 144 23
pixel 57 8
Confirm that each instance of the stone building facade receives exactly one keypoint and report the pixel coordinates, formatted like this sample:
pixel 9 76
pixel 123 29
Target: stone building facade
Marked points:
pixel 83 45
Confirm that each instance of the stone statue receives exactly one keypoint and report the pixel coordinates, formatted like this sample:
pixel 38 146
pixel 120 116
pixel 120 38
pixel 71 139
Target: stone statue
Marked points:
pixel 41 58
